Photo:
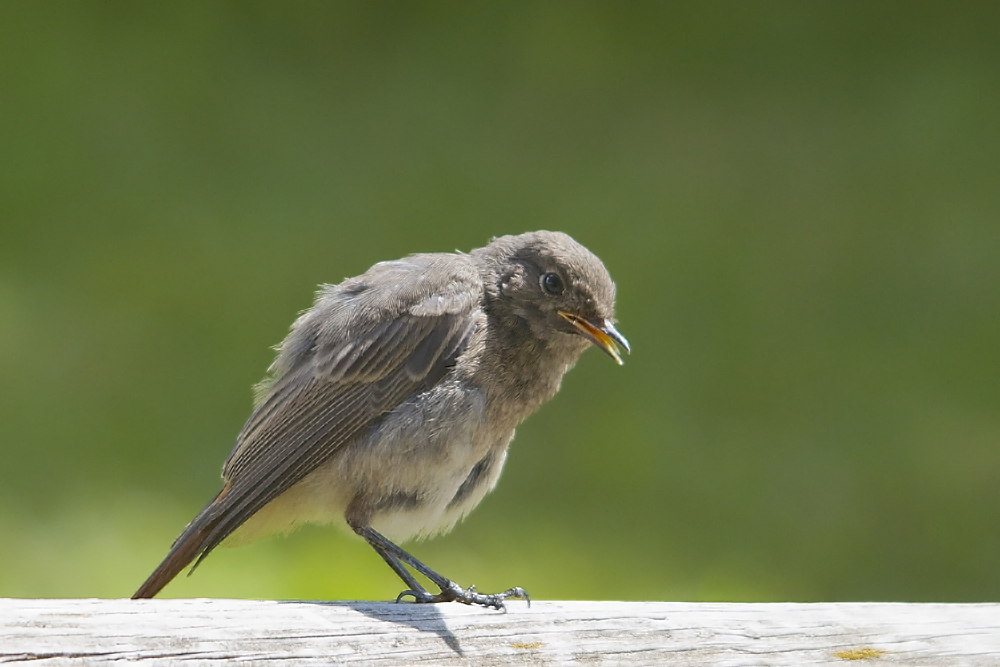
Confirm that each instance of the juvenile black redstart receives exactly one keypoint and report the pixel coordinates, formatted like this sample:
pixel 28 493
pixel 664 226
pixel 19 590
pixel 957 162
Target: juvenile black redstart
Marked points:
pixel 394 398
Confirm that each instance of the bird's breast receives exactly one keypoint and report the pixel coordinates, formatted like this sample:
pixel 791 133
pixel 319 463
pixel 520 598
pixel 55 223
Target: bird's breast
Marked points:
pixel 425 464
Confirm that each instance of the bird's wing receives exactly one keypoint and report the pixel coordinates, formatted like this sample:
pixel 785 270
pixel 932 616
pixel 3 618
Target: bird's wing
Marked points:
pixel 367 345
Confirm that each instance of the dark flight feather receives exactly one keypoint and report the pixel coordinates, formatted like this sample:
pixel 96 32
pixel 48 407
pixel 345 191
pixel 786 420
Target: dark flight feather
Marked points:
pixel 351 359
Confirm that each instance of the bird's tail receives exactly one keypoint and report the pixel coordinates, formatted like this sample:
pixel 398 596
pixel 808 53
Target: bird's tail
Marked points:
pixel 191 544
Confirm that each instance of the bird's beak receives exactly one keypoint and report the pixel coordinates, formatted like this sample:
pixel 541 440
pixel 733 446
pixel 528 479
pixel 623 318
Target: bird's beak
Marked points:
pixel 602 333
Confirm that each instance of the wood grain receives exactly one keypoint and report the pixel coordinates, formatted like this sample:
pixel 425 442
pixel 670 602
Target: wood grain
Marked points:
pixel 209 632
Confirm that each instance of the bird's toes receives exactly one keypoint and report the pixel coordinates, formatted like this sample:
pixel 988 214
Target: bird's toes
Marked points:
pixel 517 593
pixel 418 596
pixel 490 601
pixel 452 592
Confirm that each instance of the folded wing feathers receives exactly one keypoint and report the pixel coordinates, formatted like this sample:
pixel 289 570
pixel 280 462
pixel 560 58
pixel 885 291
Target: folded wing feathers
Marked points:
pixel 331 397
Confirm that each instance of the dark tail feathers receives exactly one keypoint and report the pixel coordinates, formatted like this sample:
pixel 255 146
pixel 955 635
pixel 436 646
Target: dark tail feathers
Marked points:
pixel 186 548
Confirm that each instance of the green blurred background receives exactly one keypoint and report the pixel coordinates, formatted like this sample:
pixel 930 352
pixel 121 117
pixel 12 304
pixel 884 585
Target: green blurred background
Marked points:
pixel 800 203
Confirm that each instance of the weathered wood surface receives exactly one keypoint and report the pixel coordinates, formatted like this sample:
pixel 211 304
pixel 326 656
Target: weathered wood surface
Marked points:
pixel 207 632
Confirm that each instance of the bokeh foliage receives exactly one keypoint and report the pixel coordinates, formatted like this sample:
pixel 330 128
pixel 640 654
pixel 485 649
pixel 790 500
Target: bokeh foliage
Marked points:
pixel 800 203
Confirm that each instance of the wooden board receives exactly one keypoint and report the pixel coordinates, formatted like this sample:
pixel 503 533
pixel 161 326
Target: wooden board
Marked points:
pixel 208 632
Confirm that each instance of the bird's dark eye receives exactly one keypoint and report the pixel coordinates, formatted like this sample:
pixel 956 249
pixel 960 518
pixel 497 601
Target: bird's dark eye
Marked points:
pixel 552 283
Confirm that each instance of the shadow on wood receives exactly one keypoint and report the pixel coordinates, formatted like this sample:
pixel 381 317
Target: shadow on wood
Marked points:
pixel 206 632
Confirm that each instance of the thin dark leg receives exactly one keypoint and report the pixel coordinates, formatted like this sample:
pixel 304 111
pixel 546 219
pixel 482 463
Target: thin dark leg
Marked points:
pixel 416 590
pixel 450 591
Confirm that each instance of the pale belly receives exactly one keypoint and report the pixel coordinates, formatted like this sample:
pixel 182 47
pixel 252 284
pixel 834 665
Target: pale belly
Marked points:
pixel 420 470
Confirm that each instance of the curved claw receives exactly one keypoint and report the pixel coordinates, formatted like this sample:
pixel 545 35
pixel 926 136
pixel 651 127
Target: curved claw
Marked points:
pixel 517 593
pixel 418 596
pixel 455 593
pixel 497 600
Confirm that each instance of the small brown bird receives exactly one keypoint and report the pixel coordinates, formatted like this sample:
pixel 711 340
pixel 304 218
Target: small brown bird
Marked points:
pixel 393 400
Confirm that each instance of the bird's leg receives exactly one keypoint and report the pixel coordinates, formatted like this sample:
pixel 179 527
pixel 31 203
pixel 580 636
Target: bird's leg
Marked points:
pixel 450 591
pixel 418 592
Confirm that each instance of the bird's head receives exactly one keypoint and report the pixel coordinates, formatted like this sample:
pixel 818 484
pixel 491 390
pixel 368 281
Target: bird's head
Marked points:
pixel 558 287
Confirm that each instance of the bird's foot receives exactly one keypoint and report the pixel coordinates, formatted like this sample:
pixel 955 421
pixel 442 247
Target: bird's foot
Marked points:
pixel 420 596
pixel 455 593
